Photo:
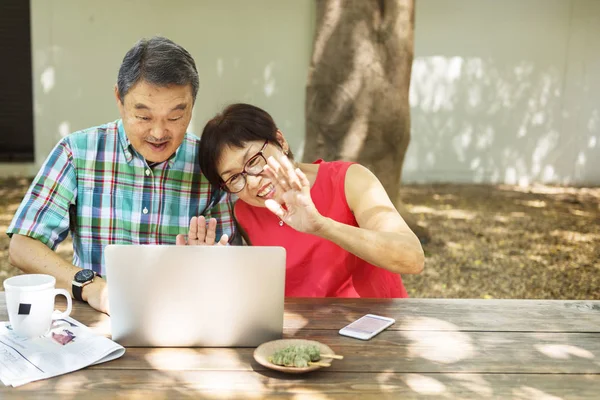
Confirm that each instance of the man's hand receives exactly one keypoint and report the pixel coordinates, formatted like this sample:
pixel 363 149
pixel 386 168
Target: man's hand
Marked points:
pixel 96 294
pixel 33 257
pixel 201 234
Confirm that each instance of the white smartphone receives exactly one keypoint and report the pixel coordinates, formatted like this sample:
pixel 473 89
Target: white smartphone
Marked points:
pixel 367 326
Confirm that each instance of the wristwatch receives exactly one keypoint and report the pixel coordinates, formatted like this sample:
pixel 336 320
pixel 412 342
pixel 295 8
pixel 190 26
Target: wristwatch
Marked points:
pixel 82 278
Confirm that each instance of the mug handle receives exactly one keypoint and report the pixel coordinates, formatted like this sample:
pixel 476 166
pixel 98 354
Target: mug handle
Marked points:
pixel 66 313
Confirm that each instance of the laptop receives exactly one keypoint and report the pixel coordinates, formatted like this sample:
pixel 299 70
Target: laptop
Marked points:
pixel 195 296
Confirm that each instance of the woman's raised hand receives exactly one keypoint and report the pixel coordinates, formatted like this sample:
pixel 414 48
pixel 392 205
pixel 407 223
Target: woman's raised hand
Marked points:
pixel 296 208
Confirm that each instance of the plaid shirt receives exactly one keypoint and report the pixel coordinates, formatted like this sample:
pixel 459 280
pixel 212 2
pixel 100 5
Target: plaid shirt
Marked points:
pixel 96 185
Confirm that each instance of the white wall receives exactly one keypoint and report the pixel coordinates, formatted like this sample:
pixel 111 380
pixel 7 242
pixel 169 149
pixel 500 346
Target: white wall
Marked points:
pixel 252 51
pixel 502 91
pixel 506 91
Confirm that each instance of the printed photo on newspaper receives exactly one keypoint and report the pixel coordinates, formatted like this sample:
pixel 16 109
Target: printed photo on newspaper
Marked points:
pixel 67 347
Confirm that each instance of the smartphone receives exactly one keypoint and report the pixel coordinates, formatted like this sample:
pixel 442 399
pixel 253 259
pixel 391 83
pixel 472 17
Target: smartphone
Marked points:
pixel 367 326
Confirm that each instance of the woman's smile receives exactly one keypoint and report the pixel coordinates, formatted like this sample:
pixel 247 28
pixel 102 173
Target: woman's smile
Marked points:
pixel 267 191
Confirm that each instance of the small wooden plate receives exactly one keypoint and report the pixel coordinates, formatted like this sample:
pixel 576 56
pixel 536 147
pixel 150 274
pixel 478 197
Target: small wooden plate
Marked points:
pixel 265 350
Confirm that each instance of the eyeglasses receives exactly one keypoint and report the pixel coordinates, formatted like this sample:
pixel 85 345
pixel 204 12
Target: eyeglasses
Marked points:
pixel 254 166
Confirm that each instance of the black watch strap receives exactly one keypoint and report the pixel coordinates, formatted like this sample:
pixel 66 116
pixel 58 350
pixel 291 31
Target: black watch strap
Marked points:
pixel 77 292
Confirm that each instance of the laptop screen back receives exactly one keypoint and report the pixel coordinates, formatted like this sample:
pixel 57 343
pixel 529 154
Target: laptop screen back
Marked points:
pixel 195 296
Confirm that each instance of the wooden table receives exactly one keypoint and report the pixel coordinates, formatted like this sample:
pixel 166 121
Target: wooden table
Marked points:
pixel 518 349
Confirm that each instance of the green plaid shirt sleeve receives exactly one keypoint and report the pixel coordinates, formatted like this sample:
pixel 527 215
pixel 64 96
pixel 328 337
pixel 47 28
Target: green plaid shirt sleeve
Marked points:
pixel 44 212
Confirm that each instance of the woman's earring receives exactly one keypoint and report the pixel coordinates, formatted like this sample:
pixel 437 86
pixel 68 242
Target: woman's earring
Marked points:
pixel 286 152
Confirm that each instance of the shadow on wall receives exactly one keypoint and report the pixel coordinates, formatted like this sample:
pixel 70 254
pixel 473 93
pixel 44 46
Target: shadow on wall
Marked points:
pixel 476 121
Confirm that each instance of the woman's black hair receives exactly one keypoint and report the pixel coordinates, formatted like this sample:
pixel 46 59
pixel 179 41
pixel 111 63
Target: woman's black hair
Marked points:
pixel 235 126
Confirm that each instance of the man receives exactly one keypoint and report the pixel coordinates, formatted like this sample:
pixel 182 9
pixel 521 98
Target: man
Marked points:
pixel 133 181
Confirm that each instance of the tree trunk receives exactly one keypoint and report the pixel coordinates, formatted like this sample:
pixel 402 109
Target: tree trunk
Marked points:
pixel 357 105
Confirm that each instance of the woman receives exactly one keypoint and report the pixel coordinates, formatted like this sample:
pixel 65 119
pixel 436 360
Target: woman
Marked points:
pixel 342 234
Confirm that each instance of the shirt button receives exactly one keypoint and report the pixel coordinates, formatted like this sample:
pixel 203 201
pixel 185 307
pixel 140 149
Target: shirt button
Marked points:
pixel 145 210
pixel 147 172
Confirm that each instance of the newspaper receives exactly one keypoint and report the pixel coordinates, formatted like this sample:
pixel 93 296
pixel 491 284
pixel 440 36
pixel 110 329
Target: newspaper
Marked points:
pixel 67 347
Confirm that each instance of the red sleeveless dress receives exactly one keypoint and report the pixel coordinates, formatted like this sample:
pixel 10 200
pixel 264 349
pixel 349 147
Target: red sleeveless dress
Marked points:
pixel 317 267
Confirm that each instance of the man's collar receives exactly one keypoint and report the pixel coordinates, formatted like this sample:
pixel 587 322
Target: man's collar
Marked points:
pixel 172 159
pixel 125 145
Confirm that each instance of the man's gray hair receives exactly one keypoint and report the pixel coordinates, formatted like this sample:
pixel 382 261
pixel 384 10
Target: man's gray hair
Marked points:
pixel 158 61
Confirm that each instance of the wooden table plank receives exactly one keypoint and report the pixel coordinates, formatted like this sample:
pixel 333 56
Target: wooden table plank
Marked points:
pixel 450 314
pixel 415 314
pixel 396 351
pixel 100 384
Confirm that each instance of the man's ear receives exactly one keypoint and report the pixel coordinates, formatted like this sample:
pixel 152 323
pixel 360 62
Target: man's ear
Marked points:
pixel 117 97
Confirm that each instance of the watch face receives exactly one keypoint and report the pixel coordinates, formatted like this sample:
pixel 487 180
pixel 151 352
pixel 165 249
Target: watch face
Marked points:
pixel 84 275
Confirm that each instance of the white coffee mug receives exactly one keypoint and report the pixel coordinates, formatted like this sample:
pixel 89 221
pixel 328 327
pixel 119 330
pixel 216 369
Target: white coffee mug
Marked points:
pixel 30 303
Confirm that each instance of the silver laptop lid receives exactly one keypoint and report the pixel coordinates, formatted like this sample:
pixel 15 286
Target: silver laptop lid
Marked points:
pixel 195 296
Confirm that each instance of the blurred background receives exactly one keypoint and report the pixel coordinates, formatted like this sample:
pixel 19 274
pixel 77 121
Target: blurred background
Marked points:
pixel 503 165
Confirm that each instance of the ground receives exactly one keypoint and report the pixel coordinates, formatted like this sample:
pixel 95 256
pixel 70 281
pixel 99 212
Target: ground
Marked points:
pixel 488 241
